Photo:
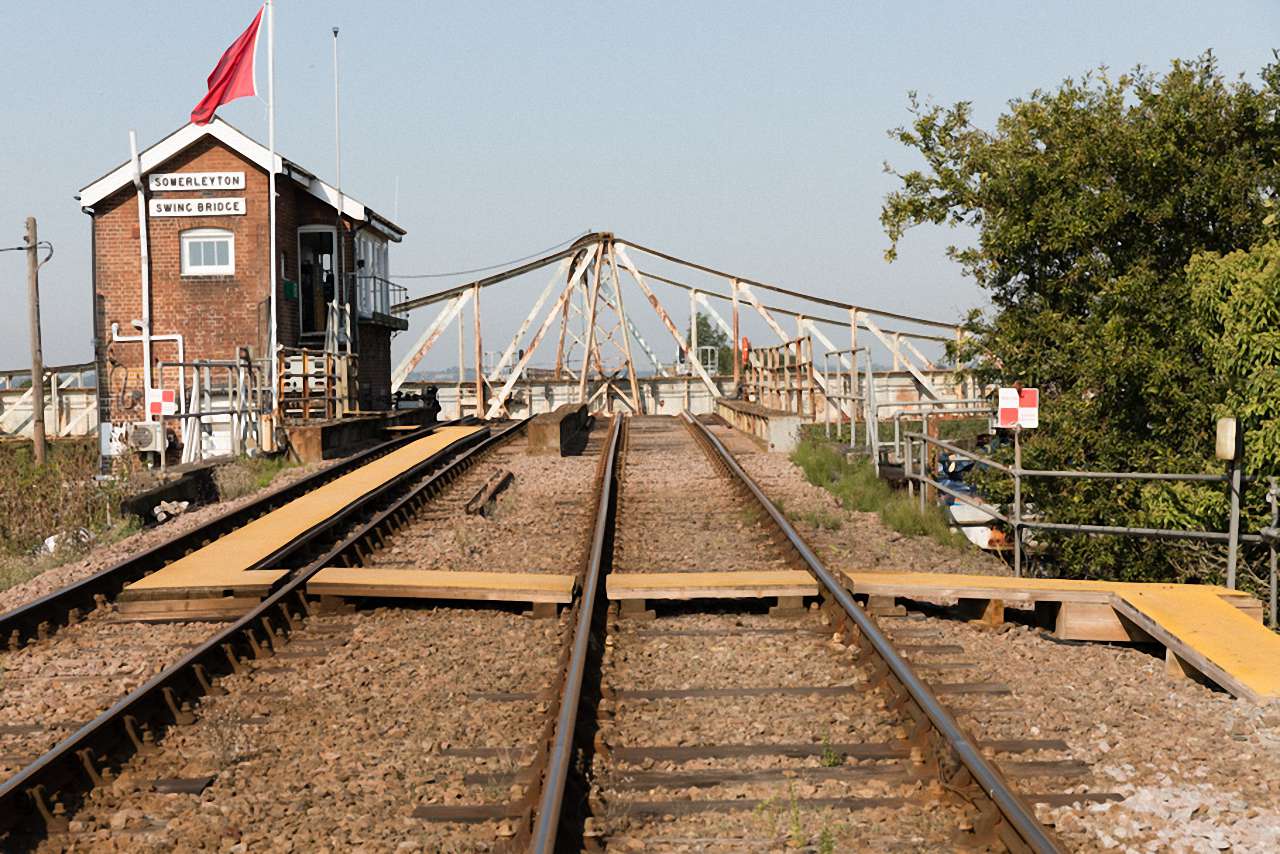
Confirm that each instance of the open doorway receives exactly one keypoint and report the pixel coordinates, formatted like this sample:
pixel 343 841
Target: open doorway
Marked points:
pixel 315 276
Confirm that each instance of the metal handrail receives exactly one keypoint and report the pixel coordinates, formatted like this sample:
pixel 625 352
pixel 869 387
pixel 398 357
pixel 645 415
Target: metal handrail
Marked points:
pixel 1232 538
pixel 1015 810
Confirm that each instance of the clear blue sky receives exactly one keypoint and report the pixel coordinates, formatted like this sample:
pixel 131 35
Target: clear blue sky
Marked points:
pixel 747 135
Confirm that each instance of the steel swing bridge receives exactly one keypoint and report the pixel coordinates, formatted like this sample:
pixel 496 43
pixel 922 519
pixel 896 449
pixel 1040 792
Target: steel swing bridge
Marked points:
pixel 587 312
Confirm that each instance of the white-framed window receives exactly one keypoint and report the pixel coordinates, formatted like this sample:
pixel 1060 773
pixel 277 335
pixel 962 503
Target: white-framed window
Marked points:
pixel 208 252
pixel 373 288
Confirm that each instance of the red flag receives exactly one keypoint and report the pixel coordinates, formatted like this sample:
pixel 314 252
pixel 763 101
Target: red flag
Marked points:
pixel 232 77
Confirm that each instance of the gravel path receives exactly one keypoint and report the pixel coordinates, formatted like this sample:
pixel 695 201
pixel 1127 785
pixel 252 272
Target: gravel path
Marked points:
pixel 49 689
pixel 744 651
pixel 1199 770
pixel 547 504
pixel 331 744
pixel 862 541
pixel 677 513
pixel 731 648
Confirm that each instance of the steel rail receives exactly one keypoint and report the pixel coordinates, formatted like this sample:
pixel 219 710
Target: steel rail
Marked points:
pixel 1015 811
pixel 65 605
pixel 34 799
pixel 547 824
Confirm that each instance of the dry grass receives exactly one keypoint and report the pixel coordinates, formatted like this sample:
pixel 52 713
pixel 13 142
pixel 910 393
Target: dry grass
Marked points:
pixel 59 497
pixel 246 475
pixel 63 498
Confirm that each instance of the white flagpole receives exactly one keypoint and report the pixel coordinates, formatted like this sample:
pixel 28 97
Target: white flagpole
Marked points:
pixel 273 282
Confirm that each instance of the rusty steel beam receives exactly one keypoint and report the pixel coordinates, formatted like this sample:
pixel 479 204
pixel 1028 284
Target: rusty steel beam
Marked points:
pixel 666 321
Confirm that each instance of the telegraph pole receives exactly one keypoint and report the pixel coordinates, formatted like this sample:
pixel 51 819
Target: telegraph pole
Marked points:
pixel 37 356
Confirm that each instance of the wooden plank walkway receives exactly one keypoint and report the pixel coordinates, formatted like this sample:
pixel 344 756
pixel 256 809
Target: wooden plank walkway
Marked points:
pixel 410 583
pixel 709 585
pixel 1210 630
pixel 222 568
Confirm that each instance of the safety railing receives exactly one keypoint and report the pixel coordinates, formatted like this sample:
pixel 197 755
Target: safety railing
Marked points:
pixel 782 377
pixel 917 471
pixel 842 393
pixel 376 295
pixel 314 384
pixel 231 391
pixel 921 410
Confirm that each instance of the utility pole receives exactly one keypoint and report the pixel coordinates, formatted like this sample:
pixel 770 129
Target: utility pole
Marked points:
pixel 37 355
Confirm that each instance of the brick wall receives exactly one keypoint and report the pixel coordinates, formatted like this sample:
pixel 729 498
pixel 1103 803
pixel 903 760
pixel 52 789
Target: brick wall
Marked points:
pixel 375 366
pixel 216 315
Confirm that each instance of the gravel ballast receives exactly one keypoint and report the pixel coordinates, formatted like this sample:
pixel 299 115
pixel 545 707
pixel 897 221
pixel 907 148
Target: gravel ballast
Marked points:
pixel 1199 770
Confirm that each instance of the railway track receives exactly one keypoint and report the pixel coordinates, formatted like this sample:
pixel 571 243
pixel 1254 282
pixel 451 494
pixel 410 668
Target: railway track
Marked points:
pixel 36 621
pixel 722 730
pixel 116 687
pixel 461 728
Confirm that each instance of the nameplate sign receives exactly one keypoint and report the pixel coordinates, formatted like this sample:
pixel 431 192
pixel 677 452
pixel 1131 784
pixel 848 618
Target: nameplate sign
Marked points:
pixel 189 181
pixel 228 206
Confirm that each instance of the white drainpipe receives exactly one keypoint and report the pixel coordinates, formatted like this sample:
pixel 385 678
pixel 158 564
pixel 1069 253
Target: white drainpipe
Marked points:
pixel 146 273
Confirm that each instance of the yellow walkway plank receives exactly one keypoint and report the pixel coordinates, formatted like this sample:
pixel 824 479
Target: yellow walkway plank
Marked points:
pixel 945 585
pixel 443 584
pixel 1220 641
pixel 709 585
pixel 1210 629
pixel 224 564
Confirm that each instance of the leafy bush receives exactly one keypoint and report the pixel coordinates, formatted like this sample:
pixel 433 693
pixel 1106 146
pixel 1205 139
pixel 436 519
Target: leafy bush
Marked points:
pixel 1106 214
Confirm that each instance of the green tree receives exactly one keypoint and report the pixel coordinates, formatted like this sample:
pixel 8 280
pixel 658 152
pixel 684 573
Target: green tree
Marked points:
pixel 1087 204
pixel 712 336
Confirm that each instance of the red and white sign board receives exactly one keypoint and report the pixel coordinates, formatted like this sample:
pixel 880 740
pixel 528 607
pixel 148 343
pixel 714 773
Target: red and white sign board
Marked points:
pixel 1019 408
pixel 161 401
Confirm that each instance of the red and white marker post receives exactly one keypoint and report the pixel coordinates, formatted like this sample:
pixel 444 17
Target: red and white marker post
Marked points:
pixel 1018 408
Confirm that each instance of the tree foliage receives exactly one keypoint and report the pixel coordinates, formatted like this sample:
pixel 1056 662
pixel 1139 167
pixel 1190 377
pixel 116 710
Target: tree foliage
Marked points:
pixel 1088 205
pixel 713 336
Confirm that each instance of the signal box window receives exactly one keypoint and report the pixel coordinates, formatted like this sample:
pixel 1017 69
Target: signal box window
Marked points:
pixel 208 252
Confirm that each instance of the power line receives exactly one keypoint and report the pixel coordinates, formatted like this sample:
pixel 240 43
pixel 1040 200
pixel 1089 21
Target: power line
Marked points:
pixel 491 266
pixel 43 244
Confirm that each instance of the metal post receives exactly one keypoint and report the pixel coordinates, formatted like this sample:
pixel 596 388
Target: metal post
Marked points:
pixel 737 341
pixel 907 470
pixel 1017 502
pixel 1273 497
pixel 924 469
pixel 589 329
pixel 826 410
pixel 341 294
pixel 479 355
pixel 273 277
pixel 1235 470
pixel 693 328
pixel 37 352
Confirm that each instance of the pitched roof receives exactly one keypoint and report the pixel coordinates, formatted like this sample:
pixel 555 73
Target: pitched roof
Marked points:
pixel 249 148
